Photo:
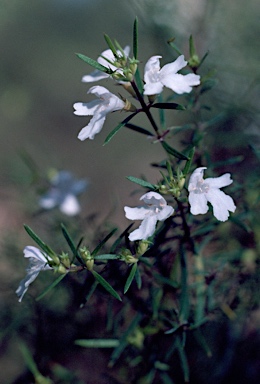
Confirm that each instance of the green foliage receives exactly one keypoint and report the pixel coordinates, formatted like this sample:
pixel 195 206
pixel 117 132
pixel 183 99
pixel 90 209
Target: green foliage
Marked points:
pixel 170 288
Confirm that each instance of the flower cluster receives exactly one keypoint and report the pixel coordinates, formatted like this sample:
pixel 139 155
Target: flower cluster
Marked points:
pixel 155 78
pixel 64 189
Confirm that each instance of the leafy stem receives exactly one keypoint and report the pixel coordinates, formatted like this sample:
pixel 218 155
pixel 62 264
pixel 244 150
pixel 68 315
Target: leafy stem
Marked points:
pixel 145 108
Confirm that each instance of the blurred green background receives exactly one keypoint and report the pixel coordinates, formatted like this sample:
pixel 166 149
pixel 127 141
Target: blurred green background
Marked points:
pixel 41 79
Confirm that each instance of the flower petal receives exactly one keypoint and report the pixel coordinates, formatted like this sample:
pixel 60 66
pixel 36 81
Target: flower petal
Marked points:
pixel 37 263
pixel 165 213
pixel 221 203
pixel 86 109
pixel 153 198
pixel 151 67
pixel 31 251
pixel 153 88
pixel 70 206
pixel 145 230
pixel 94 76
pixel 173 68
pixel 219 182
pixel 139 213
pixel 181 84
pixel 195 177
pixel 24 284
pixel 198 203
pixel 94 126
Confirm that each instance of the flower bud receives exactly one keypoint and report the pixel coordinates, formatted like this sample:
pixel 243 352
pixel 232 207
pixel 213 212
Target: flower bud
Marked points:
pixel 129 106
pixel 127 257
pixel 55 260
pixel 136 338
pixel 65 260
pixel 142 247
pixel 194 61
pixel 87 258
pixel 181 182
pixel 61 269
pixel 163 189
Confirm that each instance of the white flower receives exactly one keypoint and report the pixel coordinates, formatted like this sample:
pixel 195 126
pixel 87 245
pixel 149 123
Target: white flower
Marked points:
pixel 38 261
pixel 107 102
pixel 99 75
pixel 156 78
pixel 154 209
pixel 201 191
pixel 62 193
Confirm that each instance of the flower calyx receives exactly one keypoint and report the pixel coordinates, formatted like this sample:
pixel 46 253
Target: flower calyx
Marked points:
pixel 127 257
pixel 87 258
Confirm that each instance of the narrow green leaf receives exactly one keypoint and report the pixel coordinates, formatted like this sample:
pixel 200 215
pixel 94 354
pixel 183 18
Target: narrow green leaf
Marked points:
pixel 171 43
pixel 173 151
pixel 28 358
pixel 38 241
pixel 130 277
pixel 203 58
pixel 192 46
pixel 118 127
pixel 184 360
pixel 176 106
pixel 111 45
pixel 103 242
pixel 139 81
pixel 106 285
pixel 97 343
pixel 135 38
pixel 123 341
pixel 139 129
pixel 138 279
pixel 106 257
pixel 90 293
pixel 71 244
pixel 141 182
pixel 189 162
pixel 48 289
pixel 94 63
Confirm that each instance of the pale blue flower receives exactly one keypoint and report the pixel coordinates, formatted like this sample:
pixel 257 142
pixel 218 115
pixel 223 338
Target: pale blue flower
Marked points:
pixel 156 78
pixel 203 191
pixel 107 102
pixel 63 193
pixel 155 208
pixel 38 261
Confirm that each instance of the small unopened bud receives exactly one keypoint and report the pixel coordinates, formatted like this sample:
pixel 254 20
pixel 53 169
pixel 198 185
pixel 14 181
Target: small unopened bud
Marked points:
pixel 142 247
pixel 181 182
pixel 129 106
pixel 194 61
pixel 133 68
pixel 128 87
pixel 87 258
pixel 127 257
pixel 136 338
pixel 90 264
pixel 65 260
pixel 152 98
pixel 61 269
pixel 55 260
pixel 163 189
